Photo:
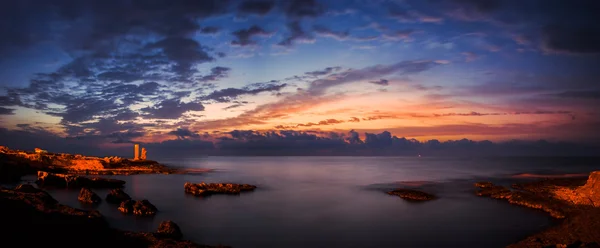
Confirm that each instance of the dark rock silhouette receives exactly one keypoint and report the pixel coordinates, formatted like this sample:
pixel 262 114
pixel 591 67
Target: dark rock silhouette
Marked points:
pixel 139 208
pixel 88 197
pixel 205 189
pixel 412 195
pixel 170 230
pixel 117 196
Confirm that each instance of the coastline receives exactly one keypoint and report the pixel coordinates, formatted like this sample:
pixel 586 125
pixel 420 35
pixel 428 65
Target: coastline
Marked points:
pixel 565 194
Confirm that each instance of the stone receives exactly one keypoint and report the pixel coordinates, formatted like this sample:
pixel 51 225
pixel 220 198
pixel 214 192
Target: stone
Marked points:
pixel 204 189
pixel 126 207
pixel 88 197
pixel 117 196
pixel 412 195
pixel 588 194
pixel 139 208
pixel 144 208
pixel 169 229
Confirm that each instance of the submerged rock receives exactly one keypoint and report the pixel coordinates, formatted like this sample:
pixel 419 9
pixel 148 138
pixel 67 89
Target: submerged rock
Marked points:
pixel 139 208
pixel 74 181
pixel 169 229
pixel 117 196
pixel 89 197
pixel 412 195
pixel 204 189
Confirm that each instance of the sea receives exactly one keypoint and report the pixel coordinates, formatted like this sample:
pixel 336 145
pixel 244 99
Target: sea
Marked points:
pixel 340 201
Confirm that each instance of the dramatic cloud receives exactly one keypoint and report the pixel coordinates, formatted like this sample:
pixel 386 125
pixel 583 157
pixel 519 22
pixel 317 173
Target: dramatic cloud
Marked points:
pixel 6 111
pixel 559 39
pixel 229 94
pixel 171 109
pixel 244 36
pixel 304 8
pixel 257 7
pixel 326 32
pixel 296 35
pixel 183 133
pixel 382 82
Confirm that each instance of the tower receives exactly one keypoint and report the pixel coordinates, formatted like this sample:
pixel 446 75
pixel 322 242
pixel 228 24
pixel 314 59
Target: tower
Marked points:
pixel 136 152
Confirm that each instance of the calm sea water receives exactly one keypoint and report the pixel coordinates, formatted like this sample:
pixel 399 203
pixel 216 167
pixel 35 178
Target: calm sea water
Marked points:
pixel 339 201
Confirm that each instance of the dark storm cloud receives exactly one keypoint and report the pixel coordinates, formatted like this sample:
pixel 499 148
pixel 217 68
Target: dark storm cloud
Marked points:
pixel 6 111
pixel 183 133
pixel 216 73
pixel 171 109
pixel 296 34
pixel 244 36
pixel 230 94
pixel 557 39
pixel 257 7
pixel 304 8
pixel 210 30
pixel 183 52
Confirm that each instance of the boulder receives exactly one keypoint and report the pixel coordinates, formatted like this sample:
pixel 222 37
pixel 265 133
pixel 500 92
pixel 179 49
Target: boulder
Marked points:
pixel 117 196
pixel 126 207
pixel 412 195
pixel 139 208
pixel 88 197
pixel 144 208
pixel 27 188
pixel 169 229
pixel 73 181
pixel 204 189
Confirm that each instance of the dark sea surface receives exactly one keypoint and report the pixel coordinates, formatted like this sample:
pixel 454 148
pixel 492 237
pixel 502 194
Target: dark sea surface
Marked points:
pixel 340 201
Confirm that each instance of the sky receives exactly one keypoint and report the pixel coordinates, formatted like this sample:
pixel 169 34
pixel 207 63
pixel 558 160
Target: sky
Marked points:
pixel 310 76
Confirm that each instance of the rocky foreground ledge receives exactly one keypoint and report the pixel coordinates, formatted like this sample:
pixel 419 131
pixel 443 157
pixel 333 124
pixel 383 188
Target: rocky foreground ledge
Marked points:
pixel 32 218
pixel 574 201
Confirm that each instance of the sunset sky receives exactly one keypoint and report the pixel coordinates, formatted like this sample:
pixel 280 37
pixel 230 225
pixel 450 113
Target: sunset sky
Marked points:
pixel 116 72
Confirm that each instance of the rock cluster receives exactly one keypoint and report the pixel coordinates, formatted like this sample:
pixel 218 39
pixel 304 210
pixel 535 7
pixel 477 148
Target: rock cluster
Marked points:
pixel 116 196
pixel 74 181
pixel 88 197
pixel 412 195
pixel 205 189
pixel 38 220
pixel 139 208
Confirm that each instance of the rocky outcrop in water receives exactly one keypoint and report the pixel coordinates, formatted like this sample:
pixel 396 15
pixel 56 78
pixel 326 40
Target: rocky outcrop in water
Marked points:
pixel 412 195
pixel 139 208
pixel 574 200
pixel 205 189
pixel 73 181
pixel 116 196
pixel 35 219
pixel 88 197
pixel 170 230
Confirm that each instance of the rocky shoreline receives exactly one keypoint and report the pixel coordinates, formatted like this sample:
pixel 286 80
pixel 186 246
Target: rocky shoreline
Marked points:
pixel 574 201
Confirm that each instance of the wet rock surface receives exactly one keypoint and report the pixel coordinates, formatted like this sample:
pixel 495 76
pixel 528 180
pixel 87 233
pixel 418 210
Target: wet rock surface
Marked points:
pixel 139 208
pixel 88 197
pixel 574 200
pixel 169 229
pixel 46 179
pixel 412 195
pixel 116 196
pixel 38 220
pixel 205 189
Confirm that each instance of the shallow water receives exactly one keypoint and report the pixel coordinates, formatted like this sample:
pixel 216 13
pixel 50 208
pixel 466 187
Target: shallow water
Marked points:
pixel 340 201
